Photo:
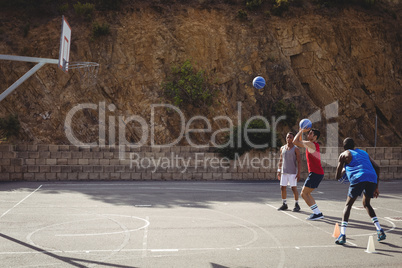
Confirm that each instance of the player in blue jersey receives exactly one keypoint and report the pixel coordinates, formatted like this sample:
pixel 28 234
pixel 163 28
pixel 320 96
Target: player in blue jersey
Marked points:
pixel 363 174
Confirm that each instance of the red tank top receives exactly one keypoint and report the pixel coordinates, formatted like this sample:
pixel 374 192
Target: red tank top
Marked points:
pixel 314 160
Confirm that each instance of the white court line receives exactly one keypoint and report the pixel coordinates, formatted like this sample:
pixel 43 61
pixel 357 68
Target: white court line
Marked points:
pixel 386 231
pixel 164 249
pixel 145 239
pixel 107 233
pixel 20 202
pixel 392 196
pixel 391 209
pixel 304 221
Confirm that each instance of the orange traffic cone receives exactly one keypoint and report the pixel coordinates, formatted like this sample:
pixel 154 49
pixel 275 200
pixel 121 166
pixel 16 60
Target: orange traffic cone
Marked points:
pixel 337 232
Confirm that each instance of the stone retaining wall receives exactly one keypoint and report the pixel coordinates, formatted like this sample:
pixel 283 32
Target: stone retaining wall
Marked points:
pixel 65 162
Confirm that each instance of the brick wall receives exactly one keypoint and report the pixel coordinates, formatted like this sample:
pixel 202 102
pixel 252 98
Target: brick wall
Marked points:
pixel 65 162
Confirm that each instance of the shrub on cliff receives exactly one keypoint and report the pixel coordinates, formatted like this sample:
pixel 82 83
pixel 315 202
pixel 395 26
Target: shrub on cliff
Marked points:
pixel 84 10
pixel 253 4
pixel 9 126
pixel 187 86
pixel 100 29
pixel 289 110
pixel 280 7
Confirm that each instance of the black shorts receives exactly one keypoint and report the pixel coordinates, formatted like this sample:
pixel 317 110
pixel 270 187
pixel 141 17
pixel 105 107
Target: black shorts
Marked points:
pixel 365 187
pixel 313 180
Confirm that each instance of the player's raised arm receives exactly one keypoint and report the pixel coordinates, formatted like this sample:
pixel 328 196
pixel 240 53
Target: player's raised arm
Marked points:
pixel 298 141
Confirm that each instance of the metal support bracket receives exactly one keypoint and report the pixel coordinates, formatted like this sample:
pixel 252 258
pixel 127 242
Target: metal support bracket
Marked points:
pixel 41 62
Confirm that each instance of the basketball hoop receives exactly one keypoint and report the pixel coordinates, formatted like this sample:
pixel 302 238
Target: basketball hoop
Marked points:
pixel 88 71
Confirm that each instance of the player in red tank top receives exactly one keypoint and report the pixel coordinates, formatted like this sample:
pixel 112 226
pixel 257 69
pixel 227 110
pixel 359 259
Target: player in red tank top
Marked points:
pixel 316 172
pixel 314 160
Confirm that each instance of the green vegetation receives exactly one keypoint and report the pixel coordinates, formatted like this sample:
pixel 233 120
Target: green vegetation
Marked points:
pixel 280 7
pixel 242 15
pixel 187 86
pixel 289 110
pixel 63 8
pixel 237 142
pixel 253 4
pixel 84 10
pixel 99 30
pixel 9 126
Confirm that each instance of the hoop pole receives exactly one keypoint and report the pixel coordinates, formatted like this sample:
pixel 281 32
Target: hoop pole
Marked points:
pixel 27 59
pixel 21 80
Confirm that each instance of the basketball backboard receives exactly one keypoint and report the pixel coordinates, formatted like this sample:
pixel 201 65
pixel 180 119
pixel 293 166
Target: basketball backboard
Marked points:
pixel 87 70
pixel 65 41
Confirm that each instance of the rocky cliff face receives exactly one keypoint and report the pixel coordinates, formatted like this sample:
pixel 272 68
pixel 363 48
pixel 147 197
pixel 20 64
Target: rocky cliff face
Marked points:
pixel 342 65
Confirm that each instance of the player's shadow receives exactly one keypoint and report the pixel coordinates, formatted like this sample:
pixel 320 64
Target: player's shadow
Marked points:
pixel 377 251
pixel 392 246
pixel 70 261
pixel 356 224
pixel 328 219
pixel 214 265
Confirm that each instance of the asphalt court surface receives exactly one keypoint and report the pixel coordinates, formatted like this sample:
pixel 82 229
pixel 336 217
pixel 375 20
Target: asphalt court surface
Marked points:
pixel 189 224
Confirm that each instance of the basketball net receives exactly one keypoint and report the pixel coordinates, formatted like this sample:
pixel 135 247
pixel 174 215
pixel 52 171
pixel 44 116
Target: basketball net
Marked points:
pixel 88 72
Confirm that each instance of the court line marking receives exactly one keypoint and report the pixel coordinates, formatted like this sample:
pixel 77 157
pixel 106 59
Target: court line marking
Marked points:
pixel 392 196
pixel 145 239
pixel 5 213
pixel 391 219
pixel 164 249
pixel 390 209
pixel 281 250
pixel 308 223
pixel 386 231
pixel 108 233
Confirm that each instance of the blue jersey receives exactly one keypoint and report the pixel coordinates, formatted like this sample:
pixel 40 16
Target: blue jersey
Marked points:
pixel 360 168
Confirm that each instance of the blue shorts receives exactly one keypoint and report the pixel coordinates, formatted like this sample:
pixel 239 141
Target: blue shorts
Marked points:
pixel 365 187
pixel 313 180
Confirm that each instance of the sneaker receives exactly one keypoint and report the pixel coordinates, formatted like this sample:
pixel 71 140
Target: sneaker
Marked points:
pixel 381 235
pixel 341 239
pixel 297 208
pixel 314 217
pixel 283 207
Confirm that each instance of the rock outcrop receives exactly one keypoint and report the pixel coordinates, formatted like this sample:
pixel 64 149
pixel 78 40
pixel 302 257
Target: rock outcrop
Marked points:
pixel 312 57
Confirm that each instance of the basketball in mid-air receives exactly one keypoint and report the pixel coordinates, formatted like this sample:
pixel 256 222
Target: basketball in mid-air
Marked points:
pixel 305 123
pixel 258 82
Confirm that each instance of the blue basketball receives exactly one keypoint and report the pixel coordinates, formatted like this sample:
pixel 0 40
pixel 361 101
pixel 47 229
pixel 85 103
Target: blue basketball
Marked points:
pixel 305 123
pixel 259 82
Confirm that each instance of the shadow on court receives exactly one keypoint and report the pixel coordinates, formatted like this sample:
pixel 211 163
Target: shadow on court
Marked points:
pixel 161 194
pixel 188 224
pixel 70 261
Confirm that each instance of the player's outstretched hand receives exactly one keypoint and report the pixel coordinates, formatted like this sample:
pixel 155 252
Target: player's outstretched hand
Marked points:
pixel 304 129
